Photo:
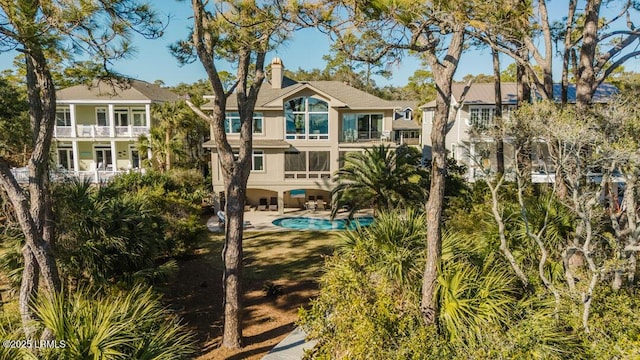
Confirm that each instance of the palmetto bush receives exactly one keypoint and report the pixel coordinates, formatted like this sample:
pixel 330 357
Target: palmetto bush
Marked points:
pixel 368 307
pixel 369 298
pixel 131 325
pixel 105 237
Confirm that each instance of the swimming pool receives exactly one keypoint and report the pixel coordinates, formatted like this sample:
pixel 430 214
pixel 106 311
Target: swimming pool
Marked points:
pixel 307 223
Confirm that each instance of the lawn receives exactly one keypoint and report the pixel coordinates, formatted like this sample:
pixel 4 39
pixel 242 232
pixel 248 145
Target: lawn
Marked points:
pixel 291 261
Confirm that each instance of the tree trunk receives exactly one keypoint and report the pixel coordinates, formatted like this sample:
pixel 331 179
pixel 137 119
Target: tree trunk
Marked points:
pixel 167 142
pixel 232 258
pixel 566 56
pixel 443 76
pixel 28 291
pixel 524 88
pixel 586 74
pixel 497 119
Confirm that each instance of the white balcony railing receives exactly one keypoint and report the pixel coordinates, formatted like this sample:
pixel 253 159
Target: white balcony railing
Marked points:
pixel 93 131
pixel 307 175
pixel 62 131
pixel 96 176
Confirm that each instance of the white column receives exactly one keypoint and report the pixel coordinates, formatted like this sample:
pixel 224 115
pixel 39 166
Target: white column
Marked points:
pixel 72 115
pixel 114 155
pixel 112 122
pixel 147 113
pixel 281 202
pixel 76 155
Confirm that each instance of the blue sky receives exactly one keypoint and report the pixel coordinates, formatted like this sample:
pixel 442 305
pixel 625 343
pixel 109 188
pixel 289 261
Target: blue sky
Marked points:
pixel 152 61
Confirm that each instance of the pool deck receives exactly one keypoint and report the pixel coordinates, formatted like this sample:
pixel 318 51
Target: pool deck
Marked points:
pixel 262 220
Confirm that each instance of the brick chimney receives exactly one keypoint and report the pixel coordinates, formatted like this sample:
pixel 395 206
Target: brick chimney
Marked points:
pixel 277 70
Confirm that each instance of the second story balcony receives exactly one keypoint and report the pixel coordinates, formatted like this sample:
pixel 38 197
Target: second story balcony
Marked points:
pixel 96 131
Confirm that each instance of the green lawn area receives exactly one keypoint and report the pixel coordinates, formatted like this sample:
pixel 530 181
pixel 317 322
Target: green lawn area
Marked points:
pixel 296 255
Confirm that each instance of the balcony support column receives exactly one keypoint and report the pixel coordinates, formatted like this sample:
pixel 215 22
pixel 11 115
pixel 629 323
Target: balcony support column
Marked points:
pixel 114 156
pixel 76 155
pixel 112 122
pixel 147 114
pixel 72 116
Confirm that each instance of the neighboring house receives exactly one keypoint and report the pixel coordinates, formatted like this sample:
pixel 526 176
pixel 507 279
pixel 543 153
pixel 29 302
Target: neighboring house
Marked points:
pixel 468 141
pixel 97 127
pixel 406 130
pixel 301 130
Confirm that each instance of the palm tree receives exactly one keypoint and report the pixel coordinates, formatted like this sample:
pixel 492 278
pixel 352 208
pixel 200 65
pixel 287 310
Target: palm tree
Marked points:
pixel 162 148
pixel 133 325
pixel 377 178
pixel 166 140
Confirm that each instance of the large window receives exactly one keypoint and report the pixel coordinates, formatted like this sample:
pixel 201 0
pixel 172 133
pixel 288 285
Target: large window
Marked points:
pixel 65 158
pixel 481 117
pixel 257 159
pixel 361 127
pixel 101 117
pixel 303 165
pixel 63 117
pixel 122 117
pixel 306 118
pixel 232 123
pixel 139 117
pixel 104 159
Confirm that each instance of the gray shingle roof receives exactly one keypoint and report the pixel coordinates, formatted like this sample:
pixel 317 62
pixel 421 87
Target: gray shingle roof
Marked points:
pixel 483 93
pixel 352 97
pixel 137 90
pixel 402 124
pixel 403 104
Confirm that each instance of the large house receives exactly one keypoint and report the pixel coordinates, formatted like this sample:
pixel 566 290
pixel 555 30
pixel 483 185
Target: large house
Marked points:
pixel 301 130
pixel 97 126
pixel 467 140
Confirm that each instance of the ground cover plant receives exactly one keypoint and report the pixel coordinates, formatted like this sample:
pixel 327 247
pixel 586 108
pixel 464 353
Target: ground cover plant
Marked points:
pixel 114 242
pixel 290 261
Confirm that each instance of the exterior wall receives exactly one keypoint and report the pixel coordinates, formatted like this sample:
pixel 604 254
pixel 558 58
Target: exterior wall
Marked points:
pixel 272 181
pixel 477 152
pixel 85 152
pixel 86 114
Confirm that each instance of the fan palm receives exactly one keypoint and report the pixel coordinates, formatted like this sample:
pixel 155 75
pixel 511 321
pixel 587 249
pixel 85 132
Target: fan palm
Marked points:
pixel 376 178
pixel 476 291
pixel 130 325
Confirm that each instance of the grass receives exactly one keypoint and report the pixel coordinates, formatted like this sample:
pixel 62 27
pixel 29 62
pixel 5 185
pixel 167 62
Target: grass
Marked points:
pixel 295 255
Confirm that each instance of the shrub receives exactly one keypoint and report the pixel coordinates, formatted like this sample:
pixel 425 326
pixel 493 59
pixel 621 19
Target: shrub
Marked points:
pixel 130 325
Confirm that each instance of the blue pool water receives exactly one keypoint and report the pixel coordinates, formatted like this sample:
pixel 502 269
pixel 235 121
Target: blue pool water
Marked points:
pixel 307 223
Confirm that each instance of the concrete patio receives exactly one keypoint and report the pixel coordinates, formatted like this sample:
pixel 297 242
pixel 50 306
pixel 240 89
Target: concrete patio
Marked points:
pixel 256 220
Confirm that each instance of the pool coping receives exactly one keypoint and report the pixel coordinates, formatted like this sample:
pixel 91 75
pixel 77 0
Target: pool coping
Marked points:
pixel 262 220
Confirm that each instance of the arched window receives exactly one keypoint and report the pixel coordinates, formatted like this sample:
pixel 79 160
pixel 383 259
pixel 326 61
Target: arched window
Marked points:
pixel 306 118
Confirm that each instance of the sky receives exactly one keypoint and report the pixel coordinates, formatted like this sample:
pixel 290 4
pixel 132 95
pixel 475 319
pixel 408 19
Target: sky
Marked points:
pixel 152 60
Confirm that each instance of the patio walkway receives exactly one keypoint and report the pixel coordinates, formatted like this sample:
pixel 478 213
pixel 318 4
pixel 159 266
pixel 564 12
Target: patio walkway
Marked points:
pixel 290 348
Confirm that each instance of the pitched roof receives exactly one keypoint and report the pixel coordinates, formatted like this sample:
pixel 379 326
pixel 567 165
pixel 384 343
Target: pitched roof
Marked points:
pixel 402 124
pixel 351 97
pixel 135 90
pixel 483 93
pixel 603 93
pixel 403 104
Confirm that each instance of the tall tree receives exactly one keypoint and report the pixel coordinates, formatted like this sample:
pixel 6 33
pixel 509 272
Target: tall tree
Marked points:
pixel 240 32
pixel 435 30
pixel 596 63
pixel 39 30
